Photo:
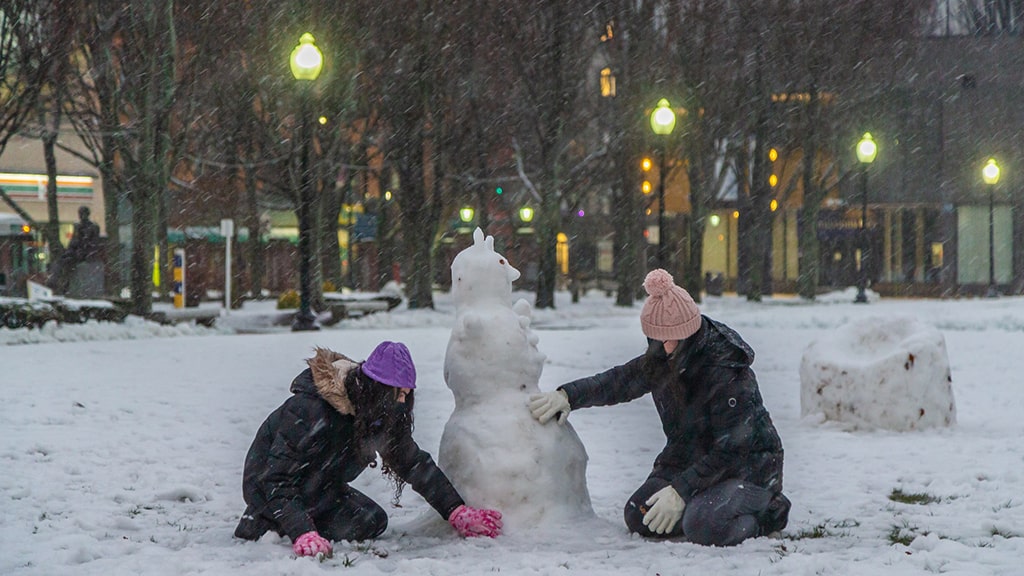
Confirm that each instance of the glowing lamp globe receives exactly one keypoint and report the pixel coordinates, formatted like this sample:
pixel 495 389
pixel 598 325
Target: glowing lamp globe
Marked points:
pixel 306 59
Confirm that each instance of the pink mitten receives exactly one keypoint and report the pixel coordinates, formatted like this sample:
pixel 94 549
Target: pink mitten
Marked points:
pixel 312 544
pixel 471 522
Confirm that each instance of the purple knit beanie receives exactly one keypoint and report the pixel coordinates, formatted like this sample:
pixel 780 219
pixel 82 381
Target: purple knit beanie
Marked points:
pixel 669 312
pixel 391 364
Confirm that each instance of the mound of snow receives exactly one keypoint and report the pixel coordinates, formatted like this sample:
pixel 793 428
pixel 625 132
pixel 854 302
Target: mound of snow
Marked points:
pixel 890 373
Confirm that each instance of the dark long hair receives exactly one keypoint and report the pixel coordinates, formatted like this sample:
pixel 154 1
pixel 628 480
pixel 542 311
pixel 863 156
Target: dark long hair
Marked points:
pixel 378 413
pixel 655 360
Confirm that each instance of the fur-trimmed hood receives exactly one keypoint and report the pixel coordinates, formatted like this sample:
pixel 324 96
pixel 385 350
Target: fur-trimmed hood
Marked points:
pixel 329 369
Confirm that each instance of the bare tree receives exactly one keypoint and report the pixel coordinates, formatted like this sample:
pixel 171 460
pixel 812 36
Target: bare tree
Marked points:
pixel 146 53
pixel 404 61
pixel 826 44
pixel 57 50
pixel 700 71
pixel 628 48
pixel 24 65
pixel 549 51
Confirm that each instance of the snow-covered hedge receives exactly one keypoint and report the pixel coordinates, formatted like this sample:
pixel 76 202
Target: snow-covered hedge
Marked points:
pixel 21 313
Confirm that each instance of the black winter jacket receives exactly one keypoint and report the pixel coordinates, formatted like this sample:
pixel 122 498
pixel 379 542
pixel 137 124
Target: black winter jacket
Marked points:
pixel 711 410
pixel 304 451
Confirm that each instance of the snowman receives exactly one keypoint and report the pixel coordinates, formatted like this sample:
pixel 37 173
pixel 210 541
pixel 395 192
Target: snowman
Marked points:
pixel 492 449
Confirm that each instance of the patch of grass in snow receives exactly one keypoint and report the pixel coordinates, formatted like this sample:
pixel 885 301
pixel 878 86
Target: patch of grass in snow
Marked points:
pixel 1005 505
pixel 898 495
pixel 904 534
pixel 825 529
pixel 140 508
pixel 994 531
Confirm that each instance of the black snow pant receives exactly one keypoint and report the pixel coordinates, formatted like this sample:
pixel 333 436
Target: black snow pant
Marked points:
pixel 347 514
pixel 723 515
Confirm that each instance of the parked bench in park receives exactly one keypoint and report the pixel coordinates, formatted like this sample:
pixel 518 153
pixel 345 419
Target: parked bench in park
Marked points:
pixel 342 306
pixel 202 316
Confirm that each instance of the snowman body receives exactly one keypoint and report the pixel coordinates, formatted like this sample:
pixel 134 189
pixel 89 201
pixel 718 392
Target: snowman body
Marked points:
pixel 492 449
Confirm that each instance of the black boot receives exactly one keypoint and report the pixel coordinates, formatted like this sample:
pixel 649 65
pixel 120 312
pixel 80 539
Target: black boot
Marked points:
pixel 776 516
pixel 252 527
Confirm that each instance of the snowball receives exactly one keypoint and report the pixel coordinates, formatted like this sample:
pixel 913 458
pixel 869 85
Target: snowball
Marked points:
pixel 879 372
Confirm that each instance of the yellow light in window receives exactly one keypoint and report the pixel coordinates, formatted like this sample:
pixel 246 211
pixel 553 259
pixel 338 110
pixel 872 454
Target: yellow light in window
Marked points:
pixel 646 187
pixel 645 164
pixel 773 180
pixel 607 83
pixel 774 205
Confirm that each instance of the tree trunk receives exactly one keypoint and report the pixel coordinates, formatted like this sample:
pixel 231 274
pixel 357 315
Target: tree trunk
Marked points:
pixel 417 227
pixel 142 245
pixel 808 247
pixel 52 228
pixel 255 247
pixel 113 194
pixel 547 242
pixel 331 252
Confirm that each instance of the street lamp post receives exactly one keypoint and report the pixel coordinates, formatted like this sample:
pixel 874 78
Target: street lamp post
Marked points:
pixel 990 174
pixel 663 121
pixel 866 151
pixel 306 62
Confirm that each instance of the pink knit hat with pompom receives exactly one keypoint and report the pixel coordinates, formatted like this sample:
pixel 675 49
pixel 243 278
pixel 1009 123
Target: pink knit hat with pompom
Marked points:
pixel 669 312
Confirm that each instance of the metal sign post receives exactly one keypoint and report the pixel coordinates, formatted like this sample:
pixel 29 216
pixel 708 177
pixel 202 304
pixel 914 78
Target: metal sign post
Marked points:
pixel 227 230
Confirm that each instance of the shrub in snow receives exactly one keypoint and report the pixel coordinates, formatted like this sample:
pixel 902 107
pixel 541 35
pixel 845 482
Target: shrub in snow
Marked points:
pixel 891 373
pixel 492 449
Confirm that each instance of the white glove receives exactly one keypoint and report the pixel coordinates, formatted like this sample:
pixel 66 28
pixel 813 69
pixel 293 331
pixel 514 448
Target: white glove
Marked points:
pixel 544 407
pixel 666 509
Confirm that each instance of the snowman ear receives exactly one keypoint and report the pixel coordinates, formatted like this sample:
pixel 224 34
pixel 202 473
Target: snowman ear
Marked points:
pixel 490 243
pixel 478 236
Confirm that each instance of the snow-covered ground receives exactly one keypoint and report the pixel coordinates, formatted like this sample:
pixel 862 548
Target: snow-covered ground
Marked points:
pixel 121 449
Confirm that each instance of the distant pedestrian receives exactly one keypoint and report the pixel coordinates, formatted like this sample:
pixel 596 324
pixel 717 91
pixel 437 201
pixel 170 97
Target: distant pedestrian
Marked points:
pixel 718 480
pixel 342 414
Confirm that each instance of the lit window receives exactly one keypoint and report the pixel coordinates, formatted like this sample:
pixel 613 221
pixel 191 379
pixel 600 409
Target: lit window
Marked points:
pixel 607 83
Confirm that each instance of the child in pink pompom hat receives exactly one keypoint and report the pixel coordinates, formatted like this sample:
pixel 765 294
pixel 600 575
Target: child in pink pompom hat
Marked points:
pixel 718 481
pixel 340 416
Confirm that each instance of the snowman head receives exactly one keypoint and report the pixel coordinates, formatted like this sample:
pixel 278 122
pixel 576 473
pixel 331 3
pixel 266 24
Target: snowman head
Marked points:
pixel 479 274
